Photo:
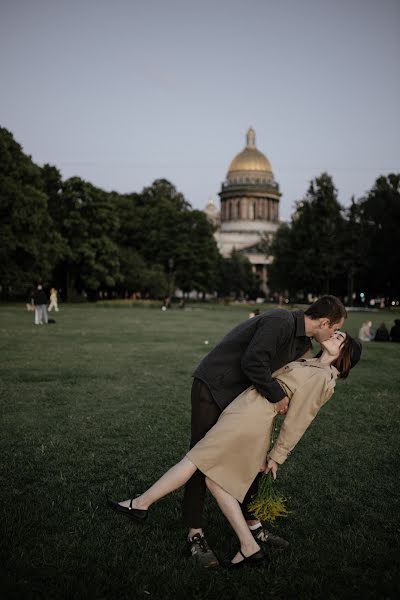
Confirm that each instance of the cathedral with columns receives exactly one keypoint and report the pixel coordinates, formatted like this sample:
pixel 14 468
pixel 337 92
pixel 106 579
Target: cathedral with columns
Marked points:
pixel 249 208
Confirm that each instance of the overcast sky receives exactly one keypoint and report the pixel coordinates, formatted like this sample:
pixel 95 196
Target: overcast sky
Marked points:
pixel 122 92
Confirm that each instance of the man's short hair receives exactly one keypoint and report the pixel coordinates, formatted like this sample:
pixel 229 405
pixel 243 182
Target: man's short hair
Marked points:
pixel 327 307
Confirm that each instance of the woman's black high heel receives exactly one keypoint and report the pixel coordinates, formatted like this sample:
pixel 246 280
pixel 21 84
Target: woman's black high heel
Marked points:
pixel 136 514
pixel 248 561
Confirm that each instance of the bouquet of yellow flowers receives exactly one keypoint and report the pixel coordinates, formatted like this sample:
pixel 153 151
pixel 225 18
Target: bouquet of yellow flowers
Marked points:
pixel 268 504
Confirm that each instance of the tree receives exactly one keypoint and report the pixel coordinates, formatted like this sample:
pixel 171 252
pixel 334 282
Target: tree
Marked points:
pixel 197 254
pixel 236 276
pixel 30 245
pixel 381 217
pixel 160 226
pixel 356 243
pixel 88 224
pixel 307 253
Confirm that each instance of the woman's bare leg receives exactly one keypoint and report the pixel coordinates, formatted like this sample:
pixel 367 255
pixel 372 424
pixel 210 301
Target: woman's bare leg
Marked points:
pixel 173 479
pixel 232 511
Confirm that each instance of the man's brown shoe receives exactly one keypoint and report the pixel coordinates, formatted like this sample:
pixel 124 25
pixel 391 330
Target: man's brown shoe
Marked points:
pixel 269 539
pixel 199 549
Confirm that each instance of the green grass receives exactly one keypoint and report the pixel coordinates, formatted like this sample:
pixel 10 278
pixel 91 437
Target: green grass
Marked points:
pixel 99 404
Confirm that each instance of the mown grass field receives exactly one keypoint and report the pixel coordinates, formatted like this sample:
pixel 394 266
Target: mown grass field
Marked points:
pixel 99 404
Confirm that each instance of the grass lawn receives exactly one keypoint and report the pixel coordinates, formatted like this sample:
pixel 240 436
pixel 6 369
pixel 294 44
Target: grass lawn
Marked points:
pixel 99 404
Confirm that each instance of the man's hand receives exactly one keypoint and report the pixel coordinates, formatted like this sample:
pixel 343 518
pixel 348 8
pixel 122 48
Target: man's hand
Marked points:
pixel 271 466
pixel 282 406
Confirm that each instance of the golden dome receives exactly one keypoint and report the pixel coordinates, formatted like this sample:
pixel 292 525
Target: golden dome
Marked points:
pixel 250 159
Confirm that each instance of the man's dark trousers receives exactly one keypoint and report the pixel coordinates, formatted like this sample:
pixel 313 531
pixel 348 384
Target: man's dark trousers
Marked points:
pixel 205 413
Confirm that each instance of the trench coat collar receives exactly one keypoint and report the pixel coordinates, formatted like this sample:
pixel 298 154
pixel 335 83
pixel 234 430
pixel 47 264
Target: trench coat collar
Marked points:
pixel 315 362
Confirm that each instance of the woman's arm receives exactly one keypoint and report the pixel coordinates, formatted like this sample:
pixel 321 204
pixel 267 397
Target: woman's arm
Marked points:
pixel 303 408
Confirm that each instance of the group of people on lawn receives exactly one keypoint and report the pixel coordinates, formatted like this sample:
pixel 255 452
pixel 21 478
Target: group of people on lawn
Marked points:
pixel 382 334
pixel 38 303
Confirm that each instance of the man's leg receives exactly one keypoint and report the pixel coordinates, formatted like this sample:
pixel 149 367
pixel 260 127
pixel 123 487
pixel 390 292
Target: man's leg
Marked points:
pixel 40 313
pixel 205 413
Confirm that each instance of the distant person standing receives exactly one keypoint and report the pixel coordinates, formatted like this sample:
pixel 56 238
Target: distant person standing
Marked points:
pixel 53 300
pixel 395 331
pixel 40 301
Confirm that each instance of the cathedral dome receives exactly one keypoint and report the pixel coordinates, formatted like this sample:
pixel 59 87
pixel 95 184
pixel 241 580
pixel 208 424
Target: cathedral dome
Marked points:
pixel 250 161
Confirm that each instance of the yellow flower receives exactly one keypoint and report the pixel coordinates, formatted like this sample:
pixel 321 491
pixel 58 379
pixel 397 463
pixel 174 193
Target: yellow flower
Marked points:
pixel 268 504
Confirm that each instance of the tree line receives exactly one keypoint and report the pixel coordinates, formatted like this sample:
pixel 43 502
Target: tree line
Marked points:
pixel 81 239
pixel 351 252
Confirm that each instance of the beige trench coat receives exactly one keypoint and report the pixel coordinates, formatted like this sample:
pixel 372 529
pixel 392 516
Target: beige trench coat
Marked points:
pixel 234 450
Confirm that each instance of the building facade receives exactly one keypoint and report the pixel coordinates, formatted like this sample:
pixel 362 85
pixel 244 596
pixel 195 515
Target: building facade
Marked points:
pixel 249 207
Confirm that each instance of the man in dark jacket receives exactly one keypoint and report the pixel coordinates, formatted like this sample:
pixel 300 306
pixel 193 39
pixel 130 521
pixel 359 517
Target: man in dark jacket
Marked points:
pixel 40 302
pixel 248 355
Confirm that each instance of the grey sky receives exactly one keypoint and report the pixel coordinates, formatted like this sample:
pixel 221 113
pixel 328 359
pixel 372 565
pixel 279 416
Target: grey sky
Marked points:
pixel 123 92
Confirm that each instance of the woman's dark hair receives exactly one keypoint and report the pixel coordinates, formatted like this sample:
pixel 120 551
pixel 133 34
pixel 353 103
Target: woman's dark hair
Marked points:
pixel 327 307
pixel 350 354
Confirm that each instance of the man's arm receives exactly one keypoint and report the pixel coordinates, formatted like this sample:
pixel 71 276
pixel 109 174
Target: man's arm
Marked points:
pixel 256 361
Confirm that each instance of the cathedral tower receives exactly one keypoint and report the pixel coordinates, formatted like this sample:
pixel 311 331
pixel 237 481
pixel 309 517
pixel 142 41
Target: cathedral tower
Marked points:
pixel 249 206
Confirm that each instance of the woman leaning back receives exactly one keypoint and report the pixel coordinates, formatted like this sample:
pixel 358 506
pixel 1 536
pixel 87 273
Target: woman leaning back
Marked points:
pixel 236 448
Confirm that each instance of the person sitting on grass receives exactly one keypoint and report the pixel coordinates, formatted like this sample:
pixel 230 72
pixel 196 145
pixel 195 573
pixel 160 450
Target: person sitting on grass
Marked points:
pixel 365 334
pixel 236 447
pixel 382 334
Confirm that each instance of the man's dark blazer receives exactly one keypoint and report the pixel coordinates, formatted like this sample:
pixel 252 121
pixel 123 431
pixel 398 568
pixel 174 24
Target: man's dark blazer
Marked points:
pixel 251 352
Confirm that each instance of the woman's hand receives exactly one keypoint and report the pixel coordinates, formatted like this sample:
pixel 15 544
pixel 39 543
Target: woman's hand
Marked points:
pixel 282 406
pixel 271 466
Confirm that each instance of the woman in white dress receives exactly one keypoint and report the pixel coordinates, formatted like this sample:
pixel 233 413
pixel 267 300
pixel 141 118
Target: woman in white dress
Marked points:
pixel 236 448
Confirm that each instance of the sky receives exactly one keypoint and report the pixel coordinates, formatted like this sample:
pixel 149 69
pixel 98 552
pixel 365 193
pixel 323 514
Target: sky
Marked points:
pixel 123 92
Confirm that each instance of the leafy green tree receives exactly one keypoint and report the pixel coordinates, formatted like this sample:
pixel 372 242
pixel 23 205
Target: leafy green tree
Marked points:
pixel 282 273
pixel 133 270
pixel 161 227
pixel 381 218
pixel 15 164
pixel 236 276
pixel 196 254
pixel 155 283
pixel 307 253
pixel 356 246
pixel 88 224
pixel 29 244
